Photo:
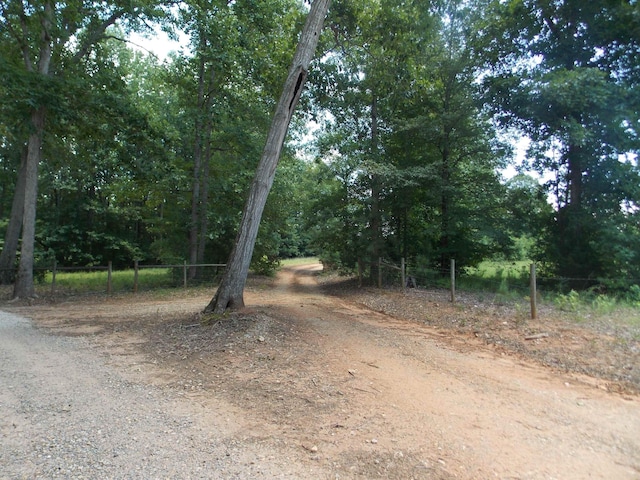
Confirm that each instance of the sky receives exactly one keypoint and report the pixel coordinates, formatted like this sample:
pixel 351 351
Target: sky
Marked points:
pixel 160 44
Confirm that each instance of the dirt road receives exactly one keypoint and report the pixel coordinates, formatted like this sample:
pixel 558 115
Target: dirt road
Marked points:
pixel 310 386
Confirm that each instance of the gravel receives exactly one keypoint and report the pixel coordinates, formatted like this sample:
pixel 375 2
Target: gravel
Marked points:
pixel 67 414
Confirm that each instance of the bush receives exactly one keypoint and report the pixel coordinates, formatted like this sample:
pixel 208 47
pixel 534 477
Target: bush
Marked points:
pixel 569 302
pixel 265 266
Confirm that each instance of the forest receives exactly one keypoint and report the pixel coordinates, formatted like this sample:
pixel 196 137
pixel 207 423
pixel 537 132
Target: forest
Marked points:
pixel 404 144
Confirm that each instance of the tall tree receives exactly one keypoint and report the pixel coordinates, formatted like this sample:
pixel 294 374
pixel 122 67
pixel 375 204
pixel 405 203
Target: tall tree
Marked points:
pixel 230 293
pixel 52 37
pixel 375 42
pixel 405 123
pixel 225 91
pixel 105 161
pixel 566 74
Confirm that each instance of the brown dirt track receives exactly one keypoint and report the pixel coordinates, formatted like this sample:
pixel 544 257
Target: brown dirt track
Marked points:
pixel 425 390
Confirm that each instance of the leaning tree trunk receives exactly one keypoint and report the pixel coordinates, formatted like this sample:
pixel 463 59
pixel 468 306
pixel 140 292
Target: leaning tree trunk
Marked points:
pixel 230 292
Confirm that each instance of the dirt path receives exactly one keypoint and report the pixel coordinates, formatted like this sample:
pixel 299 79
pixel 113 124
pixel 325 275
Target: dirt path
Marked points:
pixel 338 391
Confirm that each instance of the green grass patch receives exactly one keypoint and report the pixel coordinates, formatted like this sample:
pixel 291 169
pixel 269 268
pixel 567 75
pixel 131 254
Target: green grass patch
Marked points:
pixel 292 262
pixel 507 280
pixel 501 269
pixel 122 280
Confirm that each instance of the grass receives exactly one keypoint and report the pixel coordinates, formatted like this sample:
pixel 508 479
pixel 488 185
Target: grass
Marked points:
pixel 502 281
pixel 508 280
pixel 501 269
pixel 292 262
pixel 122 280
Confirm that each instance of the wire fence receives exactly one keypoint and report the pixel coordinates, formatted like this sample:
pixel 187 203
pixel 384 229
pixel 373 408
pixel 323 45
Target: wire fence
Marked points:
pixel 518 280
pixel 56 279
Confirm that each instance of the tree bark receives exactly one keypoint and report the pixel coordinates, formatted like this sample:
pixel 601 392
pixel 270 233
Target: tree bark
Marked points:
pixel 204 196
pixel 375 220
pixel 12 236
pixel 23 287
pixel 230 293
pixel 197 163
pixel 24 281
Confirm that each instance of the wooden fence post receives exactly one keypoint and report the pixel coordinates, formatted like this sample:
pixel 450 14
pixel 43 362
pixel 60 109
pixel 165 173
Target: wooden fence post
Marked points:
pixel 184 274
pixel 453 280
pixel 53 276
pixel 379 272
pixel 109 271
pixel 402 274
pixel 359 272
pixel 135 276
pixel 533 292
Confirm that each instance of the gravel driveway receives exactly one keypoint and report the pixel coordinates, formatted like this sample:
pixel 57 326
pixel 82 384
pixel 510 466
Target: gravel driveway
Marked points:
pixel 68 414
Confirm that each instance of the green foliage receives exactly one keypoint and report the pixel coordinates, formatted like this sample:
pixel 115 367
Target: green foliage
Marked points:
pixel 593 302
pixel 569 302
pixel 563 73
pixel 633 295
pixel 406 157
pixel 506 279
pixel 265 266
pixel 409 161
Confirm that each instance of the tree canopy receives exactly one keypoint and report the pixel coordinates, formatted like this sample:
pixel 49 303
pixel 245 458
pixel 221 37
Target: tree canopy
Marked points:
pixel 397 151
pixel 566 75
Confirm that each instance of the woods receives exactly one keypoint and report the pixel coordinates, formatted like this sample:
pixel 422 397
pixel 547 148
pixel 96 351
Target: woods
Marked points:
pixel 398 149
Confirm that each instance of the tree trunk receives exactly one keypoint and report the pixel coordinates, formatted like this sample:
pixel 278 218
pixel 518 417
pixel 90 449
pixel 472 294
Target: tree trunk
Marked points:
pixel 204 196
pixel 375 220
pixel 445 227
pixel 574 176
pixel 24 282
pixel 197 163
pixel 12 236
pixel 230 293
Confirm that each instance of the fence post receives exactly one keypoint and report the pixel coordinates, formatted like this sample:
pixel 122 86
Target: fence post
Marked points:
pixel 184 275
pixel 453 280
pixel 359 272
pixel 402 274
pixel 135 276
pixel 53 276
pixel 533 292
pixel 109 270
pixel 379 272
